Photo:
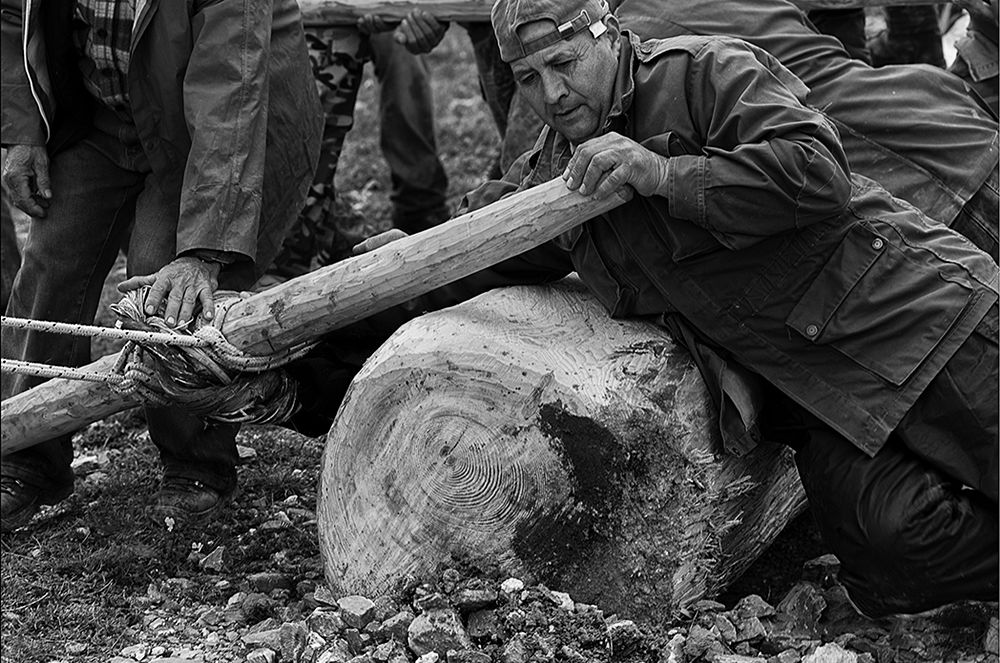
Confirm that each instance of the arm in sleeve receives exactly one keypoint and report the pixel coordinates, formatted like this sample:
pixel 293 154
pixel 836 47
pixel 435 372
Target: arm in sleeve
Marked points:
pixel 22 122
pixel 768 163
pixel 226 107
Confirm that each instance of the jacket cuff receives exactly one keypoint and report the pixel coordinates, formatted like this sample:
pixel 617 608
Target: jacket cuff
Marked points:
pixel 21 123
pixel 686 176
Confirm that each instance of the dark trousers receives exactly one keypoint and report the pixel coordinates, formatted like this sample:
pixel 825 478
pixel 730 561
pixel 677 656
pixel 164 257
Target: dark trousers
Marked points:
pixel 915 526
pixel 101 187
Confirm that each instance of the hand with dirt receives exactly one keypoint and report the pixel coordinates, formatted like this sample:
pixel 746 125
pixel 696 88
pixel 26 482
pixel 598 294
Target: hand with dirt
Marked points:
pixel 180 287
pixel 26 178
pixel 605 164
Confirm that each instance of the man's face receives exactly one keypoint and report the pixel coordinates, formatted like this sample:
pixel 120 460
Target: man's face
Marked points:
pixel 570 83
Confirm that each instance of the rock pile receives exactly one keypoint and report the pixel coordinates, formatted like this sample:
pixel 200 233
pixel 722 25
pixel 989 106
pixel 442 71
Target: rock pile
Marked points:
pixel 458 619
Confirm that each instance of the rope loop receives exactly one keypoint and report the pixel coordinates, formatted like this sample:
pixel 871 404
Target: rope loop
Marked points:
pixel 191 366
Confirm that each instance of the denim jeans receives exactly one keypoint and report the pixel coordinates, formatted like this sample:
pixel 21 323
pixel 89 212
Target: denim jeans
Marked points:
pixel 102 188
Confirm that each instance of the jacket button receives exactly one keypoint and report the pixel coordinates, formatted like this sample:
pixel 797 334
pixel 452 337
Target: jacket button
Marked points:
pixel 877 244
pixel 811 330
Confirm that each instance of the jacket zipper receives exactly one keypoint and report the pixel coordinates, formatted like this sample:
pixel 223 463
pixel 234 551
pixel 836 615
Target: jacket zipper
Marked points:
pixel 26 23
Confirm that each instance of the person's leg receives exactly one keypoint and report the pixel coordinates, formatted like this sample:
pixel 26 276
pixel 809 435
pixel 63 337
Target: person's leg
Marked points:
pixel 915 526
pixel 912 36
pixel 199 458
pixel 338 58
pixel 10 255
pixel 65 259
pixel 518 125
pixel 419 183
pixel 847 25
pixel 909 538
pixel 955 424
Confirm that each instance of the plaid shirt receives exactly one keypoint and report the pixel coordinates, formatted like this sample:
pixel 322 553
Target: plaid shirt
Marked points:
pixel 104 38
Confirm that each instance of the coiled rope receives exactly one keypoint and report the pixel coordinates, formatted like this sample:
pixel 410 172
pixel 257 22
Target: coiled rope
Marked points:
pixel 192 365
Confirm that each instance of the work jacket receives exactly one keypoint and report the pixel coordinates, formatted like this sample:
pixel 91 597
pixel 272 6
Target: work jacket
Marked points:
pixel 913 128
pixel 846 299
pixel 223 101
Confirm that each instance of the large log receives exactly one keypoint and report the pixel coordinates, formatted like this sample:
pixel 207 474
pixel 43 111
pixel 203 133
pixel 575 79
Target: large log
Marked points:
pixel 320 13
pixel 525 432
pixel 309 306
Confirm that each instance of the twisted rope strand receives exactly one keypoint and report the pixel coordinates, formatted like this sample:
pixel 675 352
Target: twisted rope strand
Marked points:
pixel 48 371
pixel 117 332
pixel 198 370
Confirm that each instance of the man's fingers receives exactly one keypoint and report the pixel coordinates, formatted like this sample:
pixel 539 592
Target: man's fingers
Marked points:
pixel 406 36
pixel 136 282
pixel 616 179
pixel 600 164
pixel 207 303
pixel 175 300
pixel 376 241
pixel 154 298
pixel 42 185
pixel 577 166
pixel 21 196
pixel 188 300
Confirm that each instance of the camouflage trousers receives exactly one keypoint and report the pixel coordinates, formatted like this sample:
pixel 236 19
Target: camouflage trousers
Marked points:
pixel 419 183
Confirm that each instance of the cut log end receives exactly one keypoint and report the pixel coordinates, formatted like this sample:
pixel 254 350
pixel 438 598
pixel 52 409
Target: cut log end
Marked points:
pixel 526 433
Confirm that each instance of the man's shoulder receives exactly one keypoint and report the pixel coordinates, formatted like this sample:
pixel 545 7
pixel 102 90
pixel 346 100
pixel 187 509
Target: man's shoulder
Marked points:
pixel 649 50
pixel 714 55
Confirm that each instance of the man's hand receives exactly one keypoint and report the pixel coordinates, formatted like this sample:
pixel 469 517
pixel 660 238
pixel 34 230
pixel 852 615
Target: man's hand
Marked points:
pixel 26 178
pixel 604 165
pixel 376 241
pixel 419 32
pixel 183 284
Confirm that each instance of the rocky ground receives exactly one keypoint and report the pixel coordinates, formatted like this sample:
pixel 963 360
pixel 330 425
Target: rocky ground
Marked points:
pixel 276 617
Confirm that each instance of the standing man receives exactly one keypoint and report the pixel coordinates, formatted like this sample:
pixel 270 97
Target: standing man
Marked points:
pixel 195 125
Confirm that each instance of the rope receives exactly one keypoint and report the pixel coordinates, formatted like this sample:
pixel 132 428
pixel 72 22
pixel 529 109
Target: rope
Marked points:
pixel 49 371
pixel 118 332
pixel 198 370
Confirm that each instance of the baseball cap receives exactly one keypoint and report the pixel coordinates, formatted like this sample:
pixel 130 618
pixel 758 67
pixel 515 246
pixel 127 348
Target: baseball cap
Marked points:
pixel 568 18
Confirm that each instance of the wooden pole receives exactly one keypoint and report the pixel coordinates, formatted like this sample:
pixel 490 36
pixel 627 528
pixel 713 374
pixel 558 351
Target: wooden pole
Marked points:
pixel 311 305
pixel 321 13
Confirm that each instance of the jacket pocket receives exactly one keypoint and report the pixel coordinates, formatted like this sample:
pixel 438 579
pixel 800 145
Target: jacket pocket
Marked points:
pixel 878 306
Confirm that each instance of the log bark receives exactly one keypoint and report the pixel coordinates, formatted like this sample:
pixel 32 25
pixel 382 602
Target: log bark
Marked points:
pixel 311 305
pixel 321 13
pixel 526 433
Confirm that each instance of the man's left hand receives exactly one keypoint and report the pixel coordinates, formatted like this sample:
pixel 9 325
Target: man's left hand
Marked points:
pixel 181 284
pixel 606 164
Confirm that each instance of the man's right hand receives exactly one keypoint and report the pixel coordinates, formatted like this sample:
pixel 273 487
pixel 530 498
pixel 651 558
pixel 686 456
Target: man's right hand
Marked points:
pixel 420 32
pixel 26 178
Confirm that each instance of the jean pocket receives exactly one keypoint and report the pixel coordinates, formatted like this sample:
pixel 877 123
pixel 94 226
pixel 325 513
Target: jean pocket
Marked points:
pixel 879 306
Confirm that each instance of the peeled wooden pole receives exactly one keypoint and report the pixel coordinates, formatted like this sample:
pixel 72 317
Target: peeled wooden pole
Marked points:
pixel 309 306
pixel 319 13
pixel 525 432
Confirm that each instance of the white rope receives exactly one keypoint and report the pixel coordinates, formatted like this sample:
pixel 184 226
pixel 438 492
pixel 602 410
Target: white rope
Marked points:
pixel 50 371
pixel 116 332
